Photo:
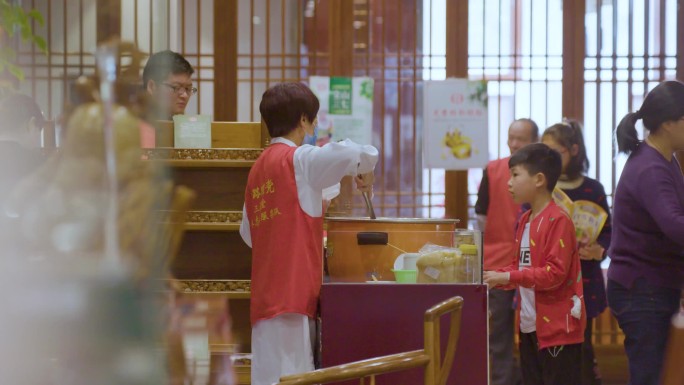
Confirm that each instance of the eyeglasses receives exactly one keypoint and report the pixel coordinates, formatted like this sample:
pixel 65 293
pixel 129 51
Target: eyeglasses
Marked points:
pixel 179 89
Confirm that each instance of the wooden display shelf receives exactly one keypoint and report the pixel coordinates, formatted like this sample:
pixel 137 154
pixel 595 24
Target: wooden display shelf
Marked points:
pixel 213 220
pixel 232 289
pixel 213 264
pixel 243 374
pixel 203 157
pixel 212 227
pixel 177 163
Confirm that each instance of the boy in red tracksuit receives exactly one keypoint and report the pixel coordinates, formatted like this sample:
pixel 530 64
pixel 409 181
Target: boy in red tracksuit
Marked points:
pixel 547 272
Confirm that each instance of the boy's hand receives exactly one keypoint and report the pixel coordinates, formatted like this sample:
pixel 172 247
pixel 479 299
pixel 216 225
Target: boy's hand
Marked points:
pixel 495 278
pixel 364 182
pixel 593 252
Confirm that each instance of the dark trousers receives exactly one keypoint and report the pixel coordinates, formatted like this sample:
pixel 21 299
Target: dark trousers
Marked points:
pixel 557 365
pixel 503 367
pixel 644 313
pixel 590 371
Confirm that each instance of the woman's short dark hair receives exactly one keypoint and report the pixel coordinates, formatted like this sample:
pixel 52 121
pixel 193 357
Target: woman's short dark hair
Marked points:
pixel 16 110
pixel 283 105
pixel 567 134
pixel 663 104
pixel 539 158
pixel 160 65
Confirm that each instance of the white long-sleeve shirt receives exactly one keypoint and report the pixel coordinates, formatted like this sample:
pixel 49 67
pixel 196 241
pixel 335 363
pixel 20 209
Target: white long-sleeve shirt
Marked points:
pixel 318 171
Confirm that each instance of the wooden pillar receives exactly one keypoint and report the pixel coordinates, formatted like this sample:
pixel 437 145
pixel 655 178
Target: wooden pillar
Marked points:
pixel 456 182
pixel 225 60
pixel 108 19
pixel 341 48
pixel 341 37
pixel 574 44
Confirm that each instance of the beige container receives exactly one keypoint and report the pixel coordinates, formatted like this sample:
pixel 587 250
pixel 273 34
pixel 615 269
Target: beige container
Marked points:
pixel 450 265
pixel 442 266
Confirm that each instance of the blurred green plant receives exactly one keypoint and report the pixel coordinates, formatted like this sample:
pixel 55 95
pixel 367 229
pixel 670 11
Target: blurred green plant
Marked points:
pixel 15 20
pixel 480 93
pixel 367 89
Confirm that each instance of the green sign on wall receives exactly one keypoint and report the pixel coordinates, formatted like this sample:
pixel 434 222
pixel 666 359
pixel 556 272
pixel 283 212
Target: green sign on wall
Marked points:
pixel 340 100
pixel 346 108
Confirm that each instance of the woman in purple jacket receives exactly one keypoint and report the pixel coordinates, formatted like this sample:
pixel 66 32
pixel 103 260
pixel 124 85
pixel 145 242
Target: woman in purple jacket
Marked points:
pixel 646 273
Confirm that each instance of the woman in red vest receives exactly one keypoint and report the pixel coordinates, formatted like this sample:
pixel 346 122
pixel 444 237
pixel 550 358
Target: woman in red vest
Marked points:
pixel 283 223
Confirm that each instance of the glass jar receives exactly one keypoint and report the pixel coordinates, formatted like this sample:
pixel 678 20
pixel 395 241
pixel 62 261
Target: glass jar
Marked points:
pixel 470 264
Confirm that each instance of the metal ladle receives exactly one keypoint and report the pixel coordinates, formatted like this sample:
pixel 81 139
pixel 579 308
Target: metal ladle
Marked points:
pixel 369 205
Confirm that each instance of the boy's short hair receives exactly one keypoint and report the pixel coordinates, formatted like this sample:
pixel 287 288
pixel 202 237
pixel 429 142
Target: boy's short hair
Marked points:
pixel 160 65
pixel 283 105
pixel 539 158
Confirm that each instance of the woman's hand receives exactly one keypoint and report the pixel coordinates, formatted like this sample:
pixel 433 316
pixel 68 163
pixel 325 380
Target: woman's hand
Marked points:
pixel 593 252
pixel 364 182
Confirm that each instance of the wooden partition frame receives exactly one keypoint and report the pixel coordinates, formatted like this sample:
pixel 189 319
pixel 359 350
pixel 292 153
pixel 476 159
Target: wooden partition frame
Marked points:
pixel 456 182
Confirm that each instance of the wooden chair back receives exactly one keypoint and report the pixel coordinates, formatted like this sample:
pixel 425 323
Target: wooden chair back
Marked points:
pixel 437 368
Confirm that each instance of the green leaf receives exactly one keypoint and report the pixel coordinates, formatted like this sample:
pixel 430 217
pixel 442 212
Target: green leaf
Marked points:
pixel 22 18
pixel 8 26
pixel 37 16
pixel 16 71
pixel 26 33
pixel 40 44
pixel 14 18
pixel 10 18
pixel 4 13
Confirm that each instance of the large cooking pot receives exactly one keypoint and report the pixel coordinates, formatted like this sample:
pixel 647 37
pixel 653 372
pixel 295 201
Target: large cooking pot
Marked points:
pixel 359 249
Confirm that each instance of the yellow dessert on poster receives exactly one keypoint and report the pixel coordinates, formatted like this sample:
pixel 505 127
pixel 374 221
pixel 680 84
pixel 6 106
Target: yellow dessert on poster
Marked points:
pixel 459 145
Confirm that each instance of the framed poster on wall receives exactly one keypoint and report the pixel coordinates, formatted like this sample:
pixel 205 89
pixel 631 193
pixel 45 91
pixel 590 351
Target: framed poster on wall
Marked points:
pixel 455 124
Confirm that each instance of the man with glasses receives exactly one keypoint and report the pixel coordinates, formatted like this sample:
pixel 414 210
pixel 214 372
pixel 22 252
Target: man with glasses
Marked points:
pixel 167 78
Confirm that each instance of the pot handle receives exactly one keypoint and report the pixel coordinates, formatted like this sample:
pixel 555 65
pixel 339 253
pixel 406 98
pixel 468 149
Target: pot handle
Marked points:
pixel 371 238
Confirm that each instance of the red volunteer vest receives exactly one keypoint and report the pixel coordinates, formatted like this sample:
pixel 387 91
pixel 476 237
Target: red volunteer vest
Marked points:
pixel 502 213
pixel 287 243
